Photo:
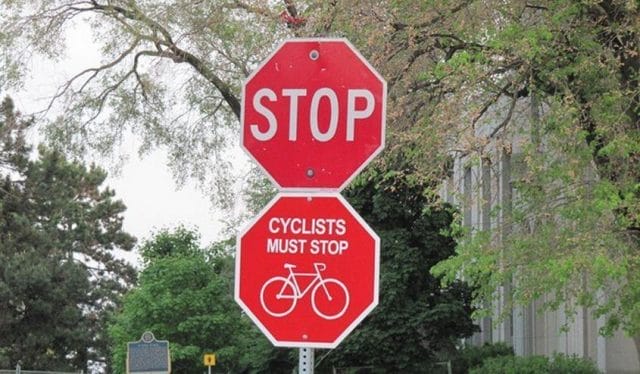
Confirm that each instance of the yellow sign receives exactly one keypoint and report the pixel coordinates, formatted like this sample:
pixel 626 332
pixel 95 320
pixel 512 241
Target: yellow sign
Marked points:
pixel 210 359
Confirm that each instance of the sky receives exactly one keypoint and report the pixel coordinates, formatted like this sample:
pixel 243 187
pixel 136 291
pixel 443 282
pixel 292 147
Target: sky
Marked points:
pixel 145 185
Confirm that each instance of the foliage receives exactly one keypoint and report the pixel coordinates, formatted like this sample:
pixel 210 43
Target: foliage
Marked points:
pixel 555 87
pixel 176 243
pixel 59 279
pixel 416 318
pixel 259 192
pixel 514 364
pixel 184 296
pixel 536 365
pixel 169 73
pixel 14 149
pixel 471 356
pixel 575 65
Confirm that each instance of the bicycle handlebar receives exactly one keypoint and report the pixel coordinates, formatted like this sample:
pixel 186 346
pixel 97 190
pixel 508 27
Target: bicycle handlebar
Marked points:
pixel 320 266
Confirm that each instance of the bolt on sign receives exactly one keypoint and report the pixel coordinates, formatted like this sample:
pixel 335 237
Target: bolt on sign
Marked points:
pixel 313 114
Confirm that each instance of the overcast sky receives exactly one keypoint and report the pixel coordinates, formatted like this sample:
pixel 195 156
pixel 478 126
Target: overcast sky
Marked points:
pixel 145 185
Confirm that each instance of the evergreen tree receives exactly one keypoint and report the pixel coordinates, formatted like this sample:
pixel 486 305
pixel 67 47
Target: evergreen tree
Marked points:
pixel 59 278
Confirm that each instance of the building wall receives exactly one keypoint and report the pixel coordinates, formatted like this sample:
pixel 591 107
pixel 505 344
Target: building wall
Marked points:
pixel 480 186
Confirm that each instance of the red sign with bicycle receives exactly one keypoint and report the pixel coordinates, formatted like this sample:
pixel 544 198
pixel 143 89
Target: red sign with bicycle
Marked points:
pixel 307 270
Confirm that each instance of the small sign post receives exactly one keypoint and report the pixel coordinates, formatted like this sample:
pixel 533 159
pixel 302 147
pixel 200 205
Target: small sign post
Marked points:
pixel 209 360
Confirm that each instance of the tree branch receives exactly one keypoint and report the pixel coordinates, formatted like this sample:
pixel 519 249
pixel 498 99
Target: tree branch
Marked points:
pixel 488 104
pixel 94 73
pixel 181 55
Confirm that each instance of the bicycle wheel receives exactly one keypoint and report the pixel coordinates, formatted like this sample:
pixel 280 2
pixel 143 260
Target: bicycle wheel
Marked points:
pixel 278 296
pixel 330 298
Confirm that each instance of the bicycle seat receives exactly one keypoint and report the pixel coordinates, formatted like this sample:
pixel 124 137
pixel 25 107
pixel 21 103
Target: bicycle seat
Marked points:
pixel 289 266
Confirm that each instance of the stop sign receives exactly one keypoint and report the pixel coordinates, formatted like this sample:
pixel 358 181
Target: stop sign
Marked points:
pixel 313 114
pixel 307 270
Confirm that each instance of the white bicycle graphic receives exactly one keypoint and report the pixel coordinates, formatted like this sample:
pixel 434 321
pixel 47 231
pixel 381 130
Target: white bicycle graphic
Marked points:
pixel 329 297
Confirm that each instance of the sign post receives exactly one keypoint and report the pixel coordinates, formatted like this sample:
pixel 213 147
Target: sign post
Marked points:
pixel 312 116
pixel 209 361
pixel 305 360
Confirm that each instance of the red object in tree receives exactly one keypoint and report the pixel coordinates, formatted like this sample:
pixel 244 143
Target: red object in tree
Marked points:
pixel 292 21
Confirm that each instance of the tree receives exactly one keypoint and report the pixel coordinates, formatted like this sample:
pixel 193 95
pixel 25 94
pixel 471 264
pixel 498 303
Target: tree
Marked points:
pixel 578 184
pixel 464 70
pixel 461 75
pixel 12 134
pixel 171 74
pixel 58 275
pixel 416 318
pixel 184 296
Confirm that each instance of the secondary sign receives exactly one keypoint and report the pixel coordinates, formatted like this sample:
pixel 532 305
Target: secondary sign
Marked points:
pixel 148 356
pixel 307 270
pixel 313 114
pixel 209 359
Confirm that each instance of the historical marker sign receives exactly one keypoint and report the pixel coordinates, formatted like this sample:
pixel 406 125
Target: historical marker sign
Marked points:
pixel 313 114
pixel 307 270
pixel 148 356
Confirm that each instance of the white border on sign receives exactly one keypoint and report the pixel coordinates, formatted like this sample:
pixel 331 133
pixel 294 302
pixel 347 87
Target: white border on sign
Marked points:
pixel 383 124
pixel 376 275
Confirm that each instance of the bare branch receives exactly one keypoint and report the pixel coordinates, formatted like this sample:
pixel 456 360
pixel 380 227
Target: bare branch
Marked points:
pixel 93 74
pixel 291 8
pixel 488 104
pixel 227 55
pixel 180 55
pixel 507 119
pixel 265 12
pixel 398 26
pixel 104 95
pixel 537 7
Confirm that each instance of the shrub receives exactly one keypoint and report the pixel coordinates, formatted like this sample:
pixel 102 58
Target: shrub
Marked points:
pixel 560 364
pixel 473 356
pixel 563 364
pixel 513 365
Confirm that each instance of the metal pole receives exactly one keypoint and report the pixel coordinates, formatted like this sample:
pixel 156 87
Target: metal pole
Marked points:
pixel 209 369
pixel 305 361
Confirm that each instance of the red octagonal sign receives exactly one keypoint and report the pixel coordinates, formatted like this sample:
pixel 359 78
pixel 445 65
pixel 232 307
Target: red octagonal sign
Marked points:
pixel 313 114
pixel 307 270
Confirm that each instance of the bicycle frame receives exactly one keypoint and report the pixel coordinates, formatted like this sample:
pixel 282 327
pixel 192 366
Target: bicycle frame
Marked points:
pixel 292 277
